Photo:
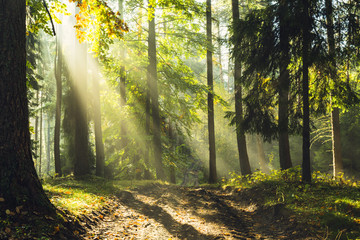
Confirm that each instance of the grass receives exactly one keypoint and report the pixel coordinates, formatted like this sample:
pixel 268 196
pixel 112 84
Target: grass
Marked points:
pixel 331 205
pixel 83 196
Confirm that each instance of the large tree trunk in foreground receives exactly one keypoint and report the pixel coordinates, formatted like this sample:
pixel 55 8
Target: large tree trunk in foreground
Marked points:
pixel 154 97
pixel 211 123
pixel 19 184
pixel 240 134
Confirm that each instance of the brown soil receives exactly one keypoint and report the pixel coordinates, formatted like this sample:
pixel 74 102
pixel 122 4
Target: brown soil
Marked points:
pixel 173 212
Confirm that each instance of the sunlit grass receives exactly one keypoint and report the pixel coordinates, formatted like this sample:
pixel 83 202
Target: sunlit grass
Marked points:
pixel 329 205
pixel 87 195
pixel 76 201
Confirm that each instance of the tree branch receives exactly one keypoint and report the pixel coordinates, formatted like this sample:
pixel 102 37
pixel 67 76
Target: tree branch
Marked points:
pixel 52 23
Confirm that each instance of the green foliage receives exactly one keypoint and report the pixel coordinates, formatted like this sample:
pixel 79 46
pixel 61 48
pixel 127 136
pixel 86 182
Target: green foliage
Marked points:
pixel 328 204
pixel 38 18
pixel 82 196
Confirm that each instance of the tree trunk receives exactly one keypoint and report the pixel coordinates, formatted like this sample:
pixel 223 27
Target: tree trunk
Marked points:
pixel 48 155
pixel 41 134
pixel 240 134
pixel 82 166
pixel 306 168
pixel 261 154
pixel 37 131
pixel 336 142
pixel 172 149
pixel 19 184
pixel 148 134
pixel 211 123
pixel 58 73
pixel 335 113
pixel 284 85
pixel 99 145
pixel 154 96
pixel 221 75
pixel 122 85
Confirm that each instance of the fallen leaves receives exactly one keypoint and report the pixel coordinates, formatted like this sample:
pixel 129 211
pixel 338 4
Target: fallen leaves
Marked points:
pixel 56 229
pixel 18 209
pixel 8 212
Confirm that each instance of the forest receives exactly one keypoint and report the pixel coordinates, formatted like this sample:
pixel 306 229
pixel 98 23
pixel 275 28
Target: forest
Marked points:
pixel 179 119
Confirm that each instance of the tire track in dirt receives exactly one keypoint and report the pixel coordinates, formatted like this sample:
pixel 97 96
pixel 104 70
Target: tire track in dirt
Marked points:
pixel 172 212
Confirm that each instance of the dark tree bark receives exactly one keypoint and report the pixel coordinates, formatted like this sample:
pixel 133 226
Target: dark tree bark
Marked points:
pixel 306 168
pixel 240 134
pixel 148 134
pixel 284 85
pixel 82 165
pixel 211 123
pixel 99 145
pixel 19 184
pixel 335 113
pixel 48 141
pixel 37 131
pixel 154 97
pixel 41 136
pixel 221 74
pixel 58 74
pixel 122 85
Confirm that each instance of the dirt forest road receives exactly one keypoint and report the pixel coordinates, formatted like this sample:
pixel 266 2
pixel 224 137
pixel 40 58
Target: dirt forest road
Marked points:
pixel 173 212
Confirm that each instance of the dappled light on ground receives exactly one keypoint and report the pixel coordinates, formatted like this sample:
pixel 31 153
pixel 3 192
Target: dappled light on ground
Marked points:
pixel 171 212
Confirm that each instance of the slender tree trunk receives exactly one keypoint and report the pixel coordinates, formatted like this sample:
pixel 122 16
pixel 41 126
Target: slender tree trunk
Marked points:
pixel 261 154
pixel 172 149
pixel 335 113
pixel 147 174
pixel 48 155
pixel 58 75
pixel 284 85
pixel 306 168
pixel 82 165
pixel 41 134
pixel 240 134
pixel 148 134
pixel 229 72
pixel 336 142
pixel 154 96
pixel 211 122
pixel 19 184
pixel 220 55
pixel 99 145
pixel 122 84
pixel 36 160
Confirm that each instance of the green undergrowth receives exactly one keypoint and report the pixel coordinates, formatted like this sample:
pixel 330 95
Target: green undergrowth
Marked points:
pixel 327 204
pixel 83 196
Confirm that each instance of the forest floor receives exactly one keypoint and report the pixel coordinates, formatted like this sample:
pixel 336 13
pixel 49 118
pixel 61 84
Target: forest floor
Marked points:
pixel 159 211
pixel 271 207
